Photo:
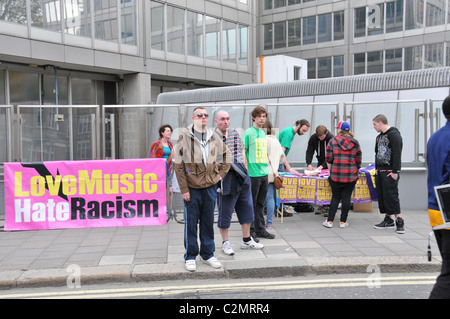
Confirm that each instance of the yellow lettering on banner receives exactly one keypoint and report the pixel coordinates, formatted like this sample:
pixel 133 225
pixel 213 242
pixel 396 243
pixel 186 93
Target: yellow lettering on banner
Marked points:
pixel 18 186
pixel 53 184
pixel 69 184
pixel 88 184
pixel 111 182
pixel 129 187
pixel 147 182
pixel 37 186
pixel 94 183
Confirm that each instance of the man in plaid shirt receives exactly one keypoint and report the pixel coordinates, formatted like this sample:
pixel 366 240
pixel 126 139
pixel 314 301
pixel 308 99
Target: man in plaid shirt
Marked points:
pixel 344 159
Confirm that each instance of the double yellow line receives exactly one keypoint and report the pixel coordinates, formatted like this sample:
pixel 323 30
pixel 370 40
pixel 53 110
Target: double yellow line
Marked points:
pixel 227 287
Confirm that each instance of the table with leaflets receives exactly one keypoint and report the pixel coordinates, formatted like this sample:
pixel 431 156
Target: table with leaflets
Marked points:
pixel 317 190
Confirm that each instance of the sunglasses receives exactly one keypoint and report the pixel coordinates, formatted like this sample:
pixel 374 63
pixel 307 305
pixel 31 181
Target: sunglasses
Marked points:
pixel 202 115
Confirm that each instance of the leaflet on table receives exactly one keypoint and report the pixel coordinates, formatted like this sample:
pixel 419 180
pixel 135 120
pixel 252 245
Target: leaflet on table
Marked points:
pixel 317 189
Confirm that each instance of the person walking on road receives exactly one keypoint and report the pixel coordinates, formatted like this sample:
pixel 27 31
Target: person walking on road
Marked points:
pixel 343 157
pixel 202 160
pixel 235 192
pixel 388 162
pixel 438 161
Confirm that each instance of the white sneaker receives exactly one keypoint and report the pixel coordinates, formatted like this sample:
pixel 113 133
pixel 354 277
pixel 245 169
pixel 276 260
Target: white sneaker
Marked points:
pixel 213 262
pixel 343 225
pixel 328 224
pixel 251 245
pixel 226 247
pixel 190 265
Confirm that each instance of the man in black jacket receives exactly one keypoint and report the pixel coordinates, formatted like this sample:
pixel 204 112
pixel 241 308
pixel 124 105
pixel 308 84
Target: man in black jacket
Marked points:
pixel 388 162
pixel 318 144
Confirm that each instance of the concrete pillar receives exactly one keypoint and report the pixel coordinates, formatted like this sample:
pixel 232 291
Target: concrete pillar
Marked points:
pixel 137 88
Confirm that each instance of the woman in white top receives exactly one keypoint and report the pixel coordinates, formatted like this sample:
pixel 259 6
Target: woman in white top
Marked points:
pixel 275 157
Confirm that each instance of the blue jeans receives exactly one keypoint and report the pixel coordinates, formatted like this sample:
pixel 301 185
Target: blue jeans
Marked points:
pixel 270 203
pixel 199 211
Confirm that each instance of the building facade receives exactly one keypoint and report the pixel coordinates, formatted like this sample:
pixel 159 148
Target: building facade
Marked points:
pixel 340 38
pixel 128 51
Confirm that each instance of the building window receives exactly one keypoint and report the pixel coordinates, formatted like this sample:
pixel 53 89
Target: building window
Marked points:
pixel 229 42
pixel 325 28
pixel 324 68
pixel 413 58
pixel 375 62
pixel 212 39
pixel 175 30
pixel 339 20
pixel 77 17
pixel 157 25
pixel 295 32
pixel 46 15
pixel 243 45
pixel 448 54
pixel 434 55
pixel 311 68
pixel 375 19
pixel 359 64
pixel 393 60
pixel 360 22
pixel 309 30
pixel 338 66
pixel 414 14
pixel 195 34
pixel 268 36
pixel 280 3
pixel 394 16
pixel 16 12
pixel 435 12
pixel 280 35
pixel 128 22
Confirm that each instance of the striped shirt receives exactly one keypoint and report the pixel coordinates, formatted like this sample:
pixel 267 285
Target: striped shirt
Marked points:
pixel 234 144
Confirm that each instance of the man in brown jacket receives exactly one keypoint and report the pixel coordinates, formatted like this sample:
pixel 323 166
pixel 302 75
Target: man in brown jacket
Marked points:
pixel 201 161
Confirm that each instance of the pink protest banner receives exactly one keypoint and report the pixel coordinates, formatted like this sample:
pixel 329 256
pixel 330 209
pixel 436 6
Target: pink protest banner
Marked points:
pixel 91 194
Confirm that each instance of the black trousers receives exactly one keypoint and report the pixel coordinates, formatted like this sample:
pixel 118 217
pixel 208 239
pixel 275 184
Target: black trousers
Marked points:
pixel 441 289
pixel 341 192
pixel 260 186
pixel 387 191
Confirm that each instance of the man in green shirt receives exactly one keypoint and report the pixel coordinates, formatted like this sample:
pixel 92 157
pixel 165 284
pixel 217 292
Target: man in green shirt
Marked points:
pixel 257 164
pixel 286 137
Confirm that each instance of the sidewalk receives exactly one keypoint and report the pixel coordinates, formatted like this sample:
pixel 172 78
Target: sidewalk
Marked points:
pixel 302 246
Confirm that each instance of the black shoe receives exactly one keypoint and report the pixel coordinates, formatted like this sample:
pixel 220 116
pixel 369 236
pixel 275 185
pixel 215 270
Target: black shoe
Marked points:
pixel 266 235
pixel 387 223
pixel 400 226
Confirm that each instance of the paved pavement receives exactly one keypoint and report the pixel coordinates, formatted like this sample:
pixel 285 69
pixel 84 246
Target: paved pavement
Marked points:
pixel 302 247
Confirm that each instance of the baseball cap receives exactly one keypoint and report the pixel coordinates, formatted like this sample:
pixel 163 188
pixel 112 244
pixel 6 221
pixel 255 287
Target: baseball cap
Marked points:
pixel 345 126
